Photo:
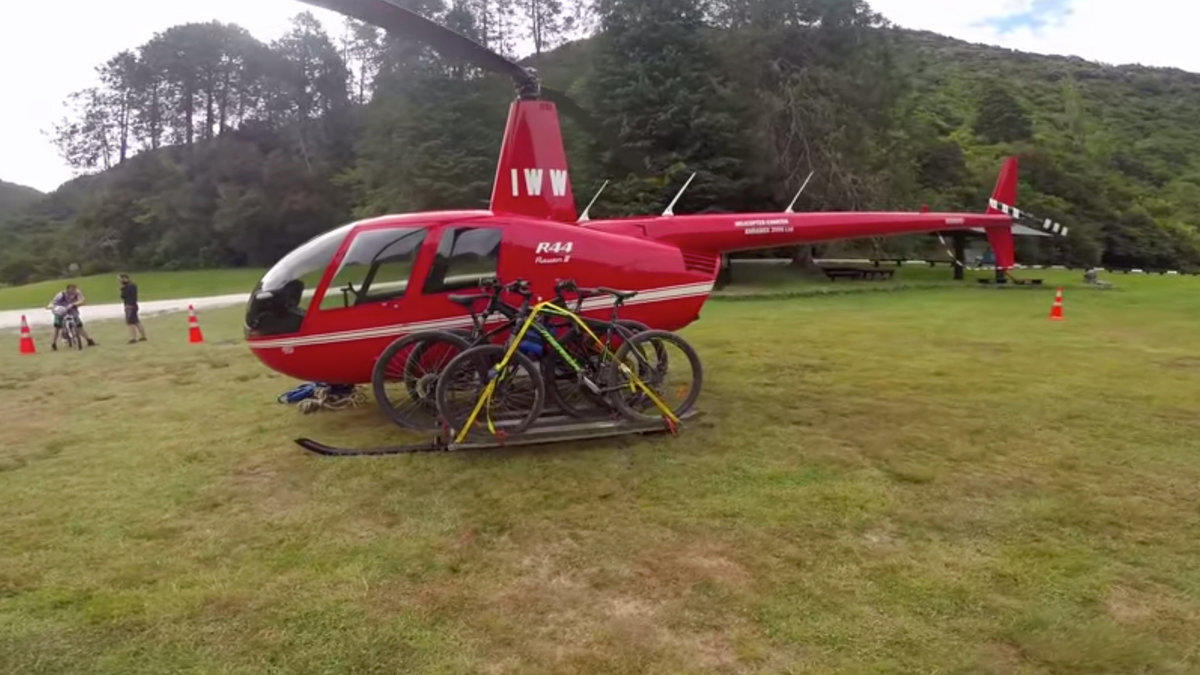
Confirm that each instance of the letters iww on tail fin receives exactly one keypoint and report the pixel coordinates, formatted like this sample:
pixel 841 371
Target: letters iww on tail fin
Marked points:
pixel 532 177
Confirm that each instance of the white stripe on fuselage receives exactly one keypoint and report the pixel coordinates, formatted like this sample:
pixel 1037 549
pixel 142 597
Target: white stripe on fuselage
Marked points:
pixel 642 298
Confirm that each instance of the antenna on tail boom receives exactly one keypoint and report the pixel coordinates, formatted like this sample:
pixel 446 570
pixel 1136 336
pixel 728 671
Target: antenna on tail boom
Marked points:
pixel 671 209
pixel 792 207
pixel 587 213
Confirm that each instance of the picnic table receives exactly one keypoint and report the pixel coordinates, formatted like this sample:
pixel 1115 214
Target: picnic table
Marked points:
pixel 858 273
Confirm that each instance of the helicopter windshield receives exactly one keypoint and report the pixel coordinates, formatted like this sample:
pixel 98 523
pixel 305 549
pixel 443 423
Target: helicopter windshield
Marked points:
pixel 375 269
pixel 281 299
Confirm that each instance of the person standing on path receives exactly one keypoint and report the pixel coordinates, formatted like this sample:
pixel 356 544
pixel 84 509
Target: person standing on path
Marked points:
pixel 129 296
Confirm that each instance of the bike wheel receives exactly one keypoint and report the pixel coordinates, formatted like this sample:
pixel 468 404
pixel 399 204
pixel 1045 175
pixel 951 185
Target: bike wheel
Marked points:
pixel 666 364
pixel 406 374
pixel 515 402
pixel 563 386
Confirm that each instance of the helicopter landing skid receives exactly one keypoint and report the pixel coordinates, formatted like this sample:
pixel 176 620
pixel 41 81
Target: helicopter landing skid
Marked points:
pixel 553 429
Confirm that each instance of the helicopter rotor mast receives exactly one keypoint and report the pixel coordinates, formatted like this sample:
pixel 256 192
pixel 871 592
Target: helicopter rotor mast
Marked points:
pixel 532 175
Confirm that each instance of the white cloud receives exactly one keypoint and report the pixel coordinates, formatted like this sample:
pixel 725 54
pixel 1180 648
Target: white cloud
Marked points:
pixel 1149 32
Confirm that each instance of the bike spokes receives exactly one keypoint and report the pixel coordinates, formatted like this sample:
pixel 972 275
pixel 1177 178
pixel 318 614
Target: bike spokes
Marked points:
pixel 406 377
pixel 656 373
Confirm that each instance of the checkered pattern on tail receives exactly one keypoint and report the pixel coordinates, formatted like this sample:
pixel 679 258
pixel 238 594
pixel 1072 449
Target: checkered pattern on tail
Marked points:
pixel 1017 214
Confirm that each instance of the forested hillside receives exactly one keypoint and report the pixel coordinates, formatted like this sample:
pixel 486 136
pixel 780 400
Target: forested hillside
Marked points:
pixel 211 148
pixel 15 198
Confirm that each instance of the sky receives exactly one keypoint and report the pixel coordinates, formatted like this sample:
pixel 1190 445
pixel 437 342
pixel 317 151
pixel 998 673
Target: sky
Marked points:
pixel 50 49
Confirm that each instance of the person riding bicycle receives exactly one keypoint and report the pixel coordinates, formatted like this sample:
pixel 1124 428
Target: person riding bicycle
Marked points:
pixel 66 303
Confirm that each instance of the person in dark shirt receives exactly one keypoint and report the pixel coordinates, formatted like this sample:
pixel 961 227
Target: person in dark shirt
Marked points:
pixel 129 296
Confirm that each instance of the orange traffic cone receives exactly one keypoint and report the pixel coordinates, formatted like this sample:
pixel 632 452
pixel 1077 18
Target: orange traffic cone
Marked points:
pixel 27 346
pixel 1056 312
pixel 194 334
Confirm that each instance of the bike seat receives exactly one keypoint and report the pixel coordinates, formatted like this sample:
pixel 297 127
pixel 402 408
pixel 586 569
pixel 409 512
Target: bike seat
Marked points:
pixel 469 301
pixel 620 295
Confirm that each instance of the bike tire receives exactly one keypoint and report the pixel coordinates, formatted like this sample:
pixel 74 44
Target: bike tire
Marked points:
pixel 677 382
pixel 516 403
pixel 406 373
pixel 563 387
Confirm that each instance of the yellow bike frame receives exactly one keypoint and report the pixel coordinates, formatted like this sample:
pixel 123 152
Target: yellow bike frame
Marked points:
pixel 549 307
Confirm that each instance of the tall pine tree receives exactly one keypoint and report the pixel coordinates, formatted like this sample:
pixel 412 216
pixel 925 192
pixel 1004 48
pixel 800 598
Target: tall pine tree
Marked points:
pixel 661 95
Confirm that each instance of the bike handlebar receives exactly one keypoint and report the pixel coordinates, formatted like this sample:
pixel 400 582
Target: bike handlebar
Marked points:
pixel 494 288
pixel 569 286
pixel 520 287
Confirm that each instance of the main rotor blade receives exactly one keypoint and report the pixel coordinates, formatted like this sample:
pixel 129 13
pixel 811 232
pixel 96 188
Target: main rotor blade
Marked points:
pixel 403 22
pixel 569 107
pixel 618 155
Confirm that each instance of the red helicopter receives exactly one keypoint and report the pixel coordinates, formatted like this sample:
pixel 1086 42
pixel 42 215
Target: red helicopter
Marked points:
pixel 328 309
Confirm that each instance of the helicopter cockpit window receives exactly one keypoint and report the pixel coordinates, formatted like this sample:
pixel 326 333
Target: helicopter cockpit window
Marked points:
pixel 281 299
pixel 466 255
pixel 376 268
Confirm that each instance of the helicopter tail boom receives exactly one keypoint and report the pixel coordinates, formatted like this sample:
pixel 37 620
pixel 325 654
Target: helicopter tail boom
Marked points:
pixel 729 233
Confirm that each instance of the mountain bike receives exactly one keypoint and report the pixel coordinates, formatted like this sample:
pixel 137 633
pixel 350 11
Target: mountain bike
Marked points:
pixel 70 331
pixel 405 375
pixel 501 387
pixel 564 386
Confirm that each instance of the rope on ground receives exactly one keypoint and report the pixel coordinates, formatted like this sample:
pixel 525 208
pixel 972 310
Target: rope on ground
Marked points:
pixel 313 397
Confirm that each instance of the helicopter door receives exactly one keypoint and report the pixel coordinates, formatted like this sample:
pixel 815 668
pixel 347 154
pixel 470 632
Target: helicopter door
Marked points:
pixel 465 257
pixel 376 268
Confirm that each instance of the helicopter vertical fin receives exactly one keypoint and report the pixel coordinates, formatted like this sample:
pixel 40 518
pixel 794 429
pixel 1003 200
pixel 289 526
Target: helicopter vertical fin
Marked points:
pixel 532 177
pixel 1001 237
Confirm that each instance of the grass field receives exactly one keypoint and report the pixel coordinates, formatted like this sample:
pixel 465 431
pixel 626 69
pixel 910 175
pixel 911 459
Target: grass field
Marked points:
pixel 103 288
pixel 937 479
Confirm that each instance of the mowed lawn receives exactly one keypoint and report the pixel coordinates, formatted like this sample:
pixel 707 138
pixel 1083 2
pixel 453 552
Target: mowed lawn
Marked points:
pixel 934 479
pixel 103 288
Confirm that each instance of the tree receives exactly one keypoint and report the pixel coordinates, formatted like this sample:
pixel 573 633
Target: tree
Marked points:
pixel 999 118
pixel 87 140
pixel 318 74
pixel 362 51
pixel 119 76
pixel 430 144
pixel 317 80
pixel 547 21
pixel 661 94
pixel 942 164
pixel 826 100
